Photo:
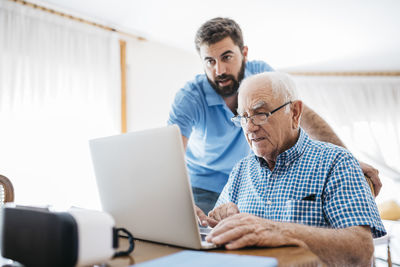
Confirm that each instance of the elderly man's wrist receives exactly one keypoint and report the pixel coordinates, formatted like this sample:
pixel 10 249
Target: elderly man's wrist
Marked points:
pixel 290 233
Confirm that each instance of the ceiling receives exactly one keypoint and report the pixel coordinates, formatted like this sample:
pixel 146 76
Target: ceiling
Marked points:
pixel 319 35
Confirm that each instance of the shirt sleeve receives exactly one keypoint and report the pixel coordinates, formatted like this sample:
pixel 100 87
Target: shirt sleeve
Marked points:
pixel 347 199
pixel 227 193
pixel 261 66
pixel 184 111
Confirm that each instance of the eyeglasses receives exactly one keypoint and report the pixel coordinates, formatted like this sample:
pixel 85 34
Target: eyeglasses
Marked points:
pixel 256 119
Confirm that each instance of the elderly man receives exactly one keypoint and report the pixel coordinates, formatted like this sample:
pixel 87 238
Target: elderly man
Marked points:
pixel 293 190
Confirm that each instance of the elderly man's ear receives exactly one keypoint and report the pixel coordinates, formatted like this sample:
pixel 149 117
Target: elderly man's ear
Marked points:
pixel 297 110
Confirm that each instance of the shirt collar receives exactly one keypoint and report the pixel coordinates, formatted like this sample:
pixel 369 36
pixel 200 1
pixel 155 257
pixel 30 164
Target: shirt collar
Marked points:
pixel 292 153
pixel 295 151
pixel 263 163
pixel 212 97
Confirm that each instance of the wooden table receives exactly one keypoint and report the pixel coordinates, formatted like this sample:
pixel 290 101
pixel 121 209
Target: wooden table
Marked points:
pixel 287 256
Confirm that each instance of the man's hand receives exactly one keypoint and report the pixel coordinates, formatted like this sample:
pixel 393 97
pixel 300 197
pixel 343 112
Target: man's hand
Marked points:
pixel 350 246
pixel 243 230
pixel 203 219
pixel 223 211
pixel 373 174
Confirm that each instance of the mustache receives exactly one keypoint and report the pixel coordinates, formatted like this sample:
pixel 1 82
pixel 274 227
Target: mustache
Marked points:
pixel 224 77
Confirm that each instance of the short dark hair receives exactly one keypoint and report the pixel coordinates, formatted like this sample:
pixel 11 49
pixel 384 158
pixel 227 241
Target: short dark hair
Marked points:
pixel 216 29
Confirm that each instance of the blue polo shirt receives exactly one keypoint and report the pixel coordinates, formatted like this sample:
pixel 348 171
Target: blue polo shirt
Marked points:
pixel 215 144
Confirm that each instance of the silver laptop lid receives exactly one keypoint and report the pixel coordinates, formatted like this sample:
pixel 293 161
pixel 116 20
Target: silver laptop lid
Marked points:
pixel 143 183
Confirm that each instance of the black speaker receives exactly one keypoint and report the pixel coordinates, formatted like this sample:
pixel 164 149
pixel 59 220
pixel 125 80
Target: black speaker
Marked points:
pixel 37 237
pixel 78 237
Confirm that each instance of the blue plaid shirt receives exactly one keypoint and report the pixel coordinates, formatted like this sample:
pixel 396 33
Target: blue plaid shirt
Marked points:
pixel 313 183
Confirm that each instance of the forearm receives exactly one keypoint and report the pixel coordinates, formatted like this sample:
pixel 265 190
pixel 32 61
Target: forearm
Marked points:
pixel 318 128
pixel 185 141
pixel 336 247
pixel 350 246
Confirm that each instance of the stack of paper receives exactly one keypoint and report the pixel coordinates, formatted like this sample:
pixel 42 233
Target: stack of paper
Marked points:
pixel 209 259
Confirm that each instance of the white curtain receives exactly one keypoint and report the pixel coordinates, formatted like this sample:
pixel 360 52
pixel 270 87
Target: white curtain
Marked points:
pixel 365 113
pixel 59 87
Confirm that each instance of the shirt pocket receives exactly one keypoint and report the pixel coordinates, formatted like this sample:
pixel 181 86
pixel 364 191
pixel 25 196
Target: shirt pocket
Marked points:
pixel 304 212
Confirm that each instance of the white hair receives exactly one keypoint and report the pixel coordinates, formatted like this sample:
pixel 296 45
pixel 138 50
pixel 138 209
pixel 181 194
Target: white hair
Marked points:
pixel 283 86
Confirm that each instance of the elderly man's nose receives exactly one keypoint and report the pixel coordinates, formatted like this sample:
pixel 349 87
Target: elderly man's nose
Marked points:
pixel 250 126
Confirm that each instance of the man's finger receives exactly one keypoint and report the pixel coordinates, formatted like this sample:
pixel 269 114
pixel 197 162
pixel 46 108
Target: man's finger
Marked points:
pixel 202 222
pixel 229 222
pixel 232 210
pixel 373 174
pixel 215 214
pixel 222 227
pixel 244 241
pixel 377 183
pixel 229 234
pixel 201 217
pixel 211 222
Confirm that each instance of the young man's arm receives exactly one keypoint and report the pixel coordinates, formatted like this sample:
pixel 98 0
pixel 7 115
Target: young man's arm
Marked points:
pixel 350 246
pixel 317 128
pixel 202 218
pixel 184 141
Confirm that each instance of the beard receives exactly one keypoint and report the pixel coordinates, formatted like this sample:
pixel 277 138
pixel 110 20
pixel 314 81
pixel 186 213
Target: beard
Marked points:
pixel 229 90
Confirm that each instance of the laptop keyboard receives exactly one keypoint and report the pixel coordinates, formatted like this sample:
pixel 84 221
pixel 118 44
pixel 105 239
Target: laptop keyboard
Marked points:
pixel 204 231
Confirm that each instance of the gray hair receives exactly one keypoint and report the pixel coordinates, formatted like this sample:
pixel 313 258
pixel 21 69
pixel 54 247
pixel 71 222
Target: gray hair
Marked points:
pixel 282 85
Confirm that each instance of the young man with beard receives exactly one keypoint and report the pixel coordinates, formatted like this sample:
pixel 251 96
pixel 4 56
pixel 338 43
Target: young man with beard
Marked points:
pixel 203 109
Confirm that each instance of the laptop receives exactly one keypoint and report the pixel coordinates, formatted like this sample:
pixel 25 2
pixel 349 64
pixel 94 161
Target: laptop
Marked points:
pixel 143 183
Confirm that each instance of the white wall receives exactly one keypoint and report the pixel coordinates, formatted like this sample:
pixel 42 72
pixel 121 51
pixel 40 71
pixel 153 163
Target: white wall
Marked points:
pixel 340 35
pixel 155 72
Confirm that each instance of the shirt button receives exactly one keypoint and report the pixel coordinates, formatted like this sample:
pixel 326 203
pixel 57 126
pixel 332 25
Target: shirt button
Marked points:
pixel 269 202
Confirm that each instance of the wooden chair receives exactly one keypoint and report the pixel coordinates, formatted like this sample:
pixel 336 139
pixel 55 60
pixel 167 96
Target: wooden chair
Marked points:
pixel 6 190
